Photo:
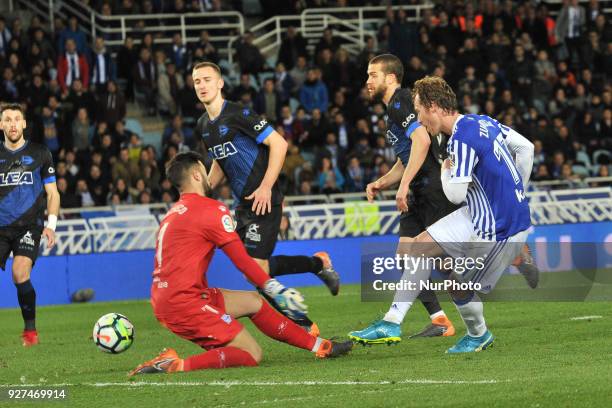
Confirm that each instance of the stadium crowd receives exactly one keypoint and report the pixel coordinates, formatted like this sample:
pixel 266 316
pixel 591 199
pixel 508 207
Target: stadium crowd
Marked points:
pixel 549 78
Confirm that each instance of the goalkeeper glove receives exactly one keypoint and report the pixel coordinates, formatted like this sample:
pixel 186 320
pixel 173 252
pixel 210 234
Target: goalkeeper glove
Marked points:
pixel 289 300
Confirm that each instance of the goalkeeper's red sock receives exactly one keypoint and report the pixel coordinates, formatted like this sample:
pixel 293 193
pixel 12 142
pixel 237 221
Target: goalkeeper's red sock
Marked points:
pixel 221 357
pixel 277 326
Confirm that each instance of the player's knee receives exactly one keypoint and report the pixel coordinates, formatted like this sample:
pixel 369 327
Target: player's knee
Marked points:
pixel 21 269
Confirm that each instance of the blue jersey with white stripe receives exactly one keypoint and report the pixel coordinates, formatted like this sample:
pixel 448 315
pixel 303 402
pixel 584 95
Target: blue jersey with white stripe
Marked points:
pixel 495 197
pixel 235 140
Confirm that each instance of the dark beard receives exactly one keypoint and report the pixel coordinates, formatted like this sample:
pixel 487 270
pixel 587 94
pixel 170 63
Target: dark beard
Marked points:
pixel 378 94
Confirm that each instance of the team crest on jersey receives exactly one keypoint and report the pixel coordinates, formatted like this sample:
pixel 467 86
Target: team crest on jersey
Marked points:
pixel 246 112
pixel 223 130
pixel 205 134
pixel 226 318
pixel 27 160
pixel 253 233
pixel 228 223
pixel 16 178
pixel 221 151
pixel 397 105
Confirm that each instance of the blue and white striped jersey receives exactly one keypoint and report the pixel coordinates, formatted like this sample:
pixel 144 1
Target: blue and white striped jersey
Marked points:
pixel 495 196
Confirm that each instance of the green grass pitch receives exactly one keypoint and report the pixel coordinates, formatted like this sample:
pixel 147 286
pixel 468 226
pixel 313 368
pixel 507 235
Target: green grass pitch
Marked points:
pixel 541 358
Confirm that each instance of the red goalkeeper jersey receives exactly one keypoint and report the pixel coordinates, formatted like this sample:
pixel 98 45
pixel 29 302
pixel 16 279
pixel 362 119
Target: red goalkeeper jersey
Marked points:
pixel 186 241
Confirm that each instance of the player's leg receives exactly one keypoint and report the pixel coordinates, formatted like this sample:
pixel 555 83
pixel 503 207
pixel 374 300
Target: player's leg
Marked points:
pixel 497 257
pixel 25 251
pixel 259 234
pixel 277 326
pixel 388 329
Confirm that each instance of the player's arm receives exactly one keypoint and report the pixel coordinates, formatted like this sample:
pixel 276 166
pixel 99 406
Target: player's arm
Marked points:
pixel 53 206
pixel 215 175
pixel 523 151
pixel 392 177
pixel 456 173
pixel 455 192
pixel 262 197
pixel 418 153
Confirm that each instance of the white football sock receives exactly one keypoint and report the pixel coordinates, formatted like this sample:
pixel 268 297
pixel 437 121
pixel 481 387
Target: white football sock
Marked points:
pixel 473 316
pixel 437 314
pixel 403 299
pixel 397 312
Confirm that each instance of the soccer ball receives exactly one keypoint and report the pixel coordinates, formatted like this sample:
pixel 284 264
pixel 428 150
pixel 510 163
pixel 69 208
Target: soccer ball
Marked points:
pixel 113 333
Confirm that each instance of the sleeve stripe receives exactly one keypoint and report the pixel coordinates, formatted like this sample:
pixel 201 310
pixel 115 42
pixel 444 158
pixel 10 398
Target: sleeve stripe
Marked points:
pixel 50 179
pixel 413 126
pixel 264 134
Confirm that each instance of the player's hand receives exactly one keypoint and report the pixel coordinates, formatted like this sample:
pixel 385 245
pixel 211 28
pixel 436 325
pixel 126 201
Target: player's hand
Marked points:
pixel 401 198
pixel 262 200
pixel 446 164
pixel 289 300
pixel 50 235
pixel 372 189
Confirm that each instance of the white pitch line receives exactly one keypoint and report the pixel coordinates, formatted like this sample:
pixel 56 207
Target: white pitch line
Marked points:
pixel 586 317
pixel 228 384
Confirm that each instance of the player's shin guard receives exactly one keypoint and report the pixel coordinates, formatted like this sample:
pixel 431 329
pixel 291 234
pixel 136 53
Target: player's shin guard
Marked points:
pixel 291 265
pixel 277 326
pixel 472 313
pixel 221 357
pixel 26 295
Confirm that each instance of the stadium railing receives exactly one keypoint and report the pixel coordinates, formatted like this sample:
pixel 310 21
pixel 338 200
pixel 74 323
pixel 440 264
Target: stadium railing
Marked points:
pixel 115 28
pixel 133 227
pixel 351 24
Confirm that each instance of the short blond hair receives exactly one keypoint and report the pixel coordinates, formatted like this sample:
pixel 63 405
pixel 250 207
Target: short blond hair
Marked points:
pixel 209 64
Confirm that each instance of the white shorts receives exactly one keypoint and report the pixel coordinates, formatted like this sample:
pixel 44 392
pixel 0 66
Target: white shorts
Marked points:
pixel 455 234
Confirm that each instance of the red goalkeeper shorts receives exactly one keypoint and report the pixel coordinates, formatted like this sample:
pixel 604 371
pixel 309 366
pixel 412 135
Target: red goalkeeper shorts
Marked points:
pixel 204 322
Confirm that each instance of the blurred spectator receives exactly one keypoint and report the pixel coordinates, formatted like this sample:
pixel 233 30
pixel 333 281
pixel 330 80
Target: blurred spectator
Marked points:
pixel 283 82
pixel 178 52
pixel 67 198
pixel 72 65
pixel 244 87
pixel 248 56
pixel 82 131
pixel 356 177
pixel 190 106
pixel 125 169
pixel 177 126
pixel 268 101
pixel 569 27
pixel 292 47
pixel 103 67
pixel 208 49
pixel 145 75
pixel 298 74
pixel 74 33
pixel 169 84
pixel 112 105
pixel 314 94
pixel 127 58
pixel 83 194
pixel 330 179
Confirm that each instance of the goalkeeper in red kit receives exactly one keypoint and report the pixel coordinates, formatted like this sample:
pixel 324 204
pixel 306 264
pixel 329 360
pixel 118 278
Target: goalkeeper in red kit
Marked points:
pixel 183 302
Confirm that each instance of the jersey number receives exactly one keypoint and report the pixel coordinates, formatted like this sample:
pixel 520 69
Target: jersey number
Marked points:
pixel 160 243
pixel 502 153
